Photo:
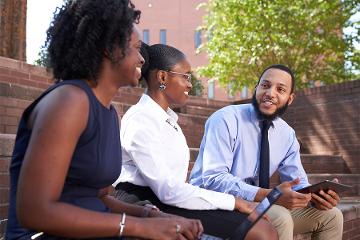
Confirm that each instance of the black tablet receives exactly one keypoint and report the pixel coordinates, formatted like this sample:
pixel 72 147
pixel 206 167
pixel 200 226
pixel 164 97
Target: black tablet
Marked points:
pixel 325 186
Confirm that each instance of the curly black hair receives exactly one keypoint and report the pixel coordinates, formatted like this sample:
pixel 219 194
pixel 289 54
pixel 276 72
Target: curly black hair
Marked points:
pixel 83 32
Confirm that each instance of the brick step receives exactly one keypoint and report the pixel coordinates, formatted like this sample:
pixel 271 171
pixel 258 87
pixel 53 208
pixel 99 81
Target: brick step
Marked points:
pixel 316 163
pixel 198 110
pixel 129 95
pixel 11 110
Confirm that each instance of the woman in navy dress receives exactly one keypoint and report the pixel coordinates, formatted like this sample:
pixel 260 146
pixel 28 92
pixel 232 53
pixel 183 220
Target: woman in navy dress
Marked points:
pixel 67 149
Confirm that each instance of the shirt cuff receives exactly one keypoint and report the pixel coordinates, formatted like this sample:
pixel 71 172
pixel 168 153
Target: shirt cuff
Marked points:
pixel 220 200
pixel 249 192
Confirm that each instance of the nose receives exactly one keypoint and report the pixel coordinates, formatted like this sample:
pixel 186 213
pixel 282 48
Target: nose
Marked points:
pixel 271 92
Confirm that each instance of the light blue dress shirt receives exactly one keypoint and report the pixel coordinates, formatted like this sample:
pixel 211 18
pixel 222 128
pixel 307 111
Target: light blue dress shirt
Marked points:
pixel 228 159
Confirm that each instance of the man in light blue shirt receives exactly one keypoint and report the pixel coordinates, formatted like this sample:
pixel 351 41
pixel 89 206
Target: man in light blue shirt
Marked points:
pixel 228 159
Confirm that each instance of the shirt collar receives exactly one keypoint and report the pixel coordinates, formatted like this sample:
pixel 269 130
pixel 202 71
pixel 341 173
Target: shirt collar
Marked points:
pixel 160 113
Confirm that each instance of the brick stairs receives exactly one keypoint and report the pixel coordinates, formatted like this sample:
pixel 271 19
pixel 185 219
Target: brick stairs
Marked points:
pixel 21 83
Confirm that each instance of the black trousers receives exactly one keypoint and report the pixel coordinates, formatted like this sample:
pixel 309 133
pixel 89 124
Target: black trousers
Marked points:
pixel 220 223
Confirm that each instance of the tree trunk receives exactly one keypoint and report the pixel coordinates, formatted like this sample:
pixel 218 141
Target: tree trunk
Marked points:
pixel 13 29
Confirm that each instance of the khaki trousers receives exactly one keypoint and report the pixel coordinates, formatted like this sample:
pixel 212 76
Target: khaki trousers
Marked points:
pixel 324 225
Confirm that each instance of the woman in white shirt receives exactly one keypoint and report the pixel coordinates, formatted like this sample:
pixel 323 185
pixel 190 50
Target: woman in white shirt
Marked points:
pixel 156 156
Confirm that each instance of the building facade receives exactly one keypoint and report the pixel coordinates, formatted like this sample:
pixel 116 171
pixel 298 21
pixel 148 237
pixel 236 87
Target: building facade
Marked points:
pixel 176 23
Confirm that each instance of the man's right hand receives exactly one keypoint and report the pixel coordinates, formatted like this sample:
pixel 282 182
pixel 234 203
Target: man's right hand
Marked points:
pixel 291 199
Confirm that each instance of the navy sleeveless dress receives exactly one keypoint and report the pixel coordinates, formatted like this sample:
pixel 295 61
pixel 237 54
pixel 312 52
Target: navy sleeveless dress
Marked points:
pixel 95 164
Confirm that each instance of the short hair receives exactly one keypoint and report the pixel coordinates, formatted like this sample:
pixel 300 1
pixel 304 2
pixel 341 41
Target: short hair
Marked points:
pixel 283 68
pixel 159 56
pixel 84 32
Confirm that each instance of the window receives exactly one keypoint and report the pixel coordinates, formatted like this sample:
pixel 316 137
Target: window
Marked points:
pixel 230 91
pixel 163 36
pixel 146 36
pixel 197 38
pixel 244 93
pixel 211 89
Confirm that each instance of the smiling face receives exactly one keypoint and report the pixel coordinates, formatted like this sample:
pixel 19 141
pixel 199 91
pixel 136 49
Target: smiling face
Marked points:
pixel 130 65
pixel 178 85
pixel 273 93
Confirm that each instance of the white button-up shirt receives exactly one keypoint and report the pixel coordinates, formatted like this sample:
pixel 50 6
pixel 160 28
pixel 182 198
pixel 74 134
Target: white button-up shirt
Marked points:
pixel 155 154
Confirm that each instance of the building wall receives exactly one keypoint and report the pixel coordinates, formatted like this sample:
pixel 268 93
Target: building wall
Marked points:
pixel 327 121
pixel 180 18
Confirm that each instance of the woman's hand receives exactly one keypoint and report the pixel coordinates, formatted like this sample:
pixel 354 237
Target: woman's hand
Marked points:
pixel 244 206
pixel 171 228
pixel 247 207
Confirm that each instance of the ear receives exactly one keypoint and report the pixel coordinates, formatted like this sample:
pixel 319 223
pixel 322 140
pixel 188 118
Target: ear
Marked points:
pixel 161 76
pixel 291 98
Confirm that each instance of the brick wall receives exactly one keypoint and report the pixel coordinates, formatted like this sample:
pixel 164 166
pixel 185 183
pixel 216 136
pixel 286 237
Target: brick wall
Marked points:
pixel 327 121
pixel 6 147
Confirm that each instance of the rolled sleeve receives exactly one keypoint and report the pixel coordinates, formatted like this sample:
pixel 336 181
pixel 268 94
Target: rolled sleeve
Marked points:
pixel 291 167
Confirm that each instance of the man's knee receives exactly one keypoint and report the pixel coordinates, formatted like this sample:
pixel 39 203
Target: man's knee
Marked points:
pixel 281 218
pixel 335 218
pixel 262 230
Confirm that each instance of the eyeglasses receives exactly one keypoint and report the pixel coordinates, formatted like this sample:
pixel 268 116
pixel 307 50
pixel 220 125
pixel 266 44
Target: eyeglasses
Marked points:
pixel 187 76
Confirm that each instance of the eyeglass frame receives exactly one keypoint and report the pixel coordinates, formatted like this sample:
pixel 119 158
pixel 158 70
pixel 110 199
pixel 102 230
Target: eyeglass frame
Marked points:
pixel 186 75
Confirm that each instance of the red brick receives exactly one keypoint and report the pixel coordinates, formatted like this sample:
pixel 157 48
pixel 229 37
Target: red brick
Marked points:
pixel 4 195
pixel 21 75
pixel 5 78
pixel 11 129
pixel 3 210
pixel 2 110
pixel 4 71
pixel 43 85
pixel 22 104
pixel 4 164
pixel 4 180
pixel 40 71
pixel 37 78
pixel 15 112
pixel 26 82
pixel 8 120
pixel 10 63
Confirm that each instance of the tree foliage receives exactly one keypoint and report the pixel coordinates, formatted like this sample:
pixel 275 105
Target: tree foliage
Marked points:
pixel 245 36
pixel 197 88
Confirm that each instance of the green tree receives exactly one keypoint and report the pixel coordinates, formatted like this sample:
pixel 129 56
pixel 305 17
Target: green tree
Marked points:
pixel 43 54
pixel 245 36
pixel 197 87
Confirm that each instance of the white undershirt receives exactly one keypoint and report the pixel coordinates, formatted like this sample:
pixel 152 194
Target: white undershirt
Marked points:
pixel 155 154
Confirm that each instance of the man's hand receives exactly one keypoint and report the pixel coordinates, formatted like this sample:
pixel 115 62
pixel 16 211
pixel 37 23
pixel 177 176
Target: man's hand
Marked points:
pixel 291 199
pixel 325 200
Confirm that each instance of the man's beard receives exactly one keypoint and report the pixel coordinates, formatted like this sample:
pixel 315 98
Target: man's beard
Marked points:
pixel 261 116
